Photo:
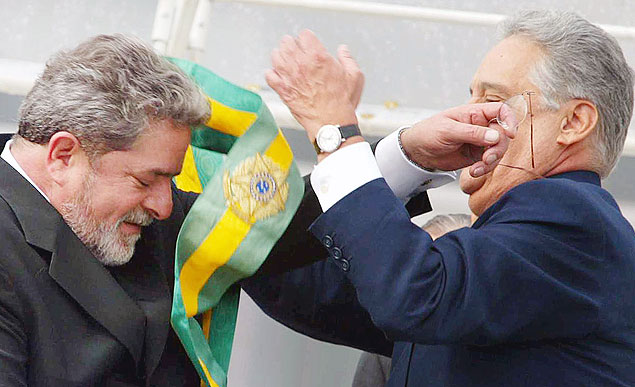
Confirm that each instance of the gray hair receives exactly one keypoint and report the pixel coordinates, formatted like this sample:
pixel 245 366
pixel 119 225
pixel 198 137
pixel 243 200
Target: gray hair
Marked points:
pixel 582 61
pixel 442 224
pixel 105 92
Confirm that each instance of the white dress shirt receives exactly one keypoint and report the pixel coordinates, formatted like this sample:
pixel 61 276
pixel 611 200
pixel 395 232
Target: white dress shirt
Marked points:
pixel 355 165
pixel 8 157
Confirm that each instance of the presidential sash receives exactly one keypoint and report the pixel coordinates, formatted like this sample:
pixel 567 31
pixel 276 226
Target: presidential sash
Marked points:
pixel 250 188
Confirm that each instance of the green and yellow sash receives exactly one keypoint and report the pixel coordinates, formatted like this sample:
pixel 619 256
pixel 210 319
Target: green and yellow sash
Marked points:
pixel 250 189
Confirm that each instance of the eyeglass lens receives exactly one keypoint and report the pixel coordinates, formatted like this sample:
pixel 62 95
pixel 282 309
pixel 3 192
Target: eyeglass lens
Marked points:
pixel 512 113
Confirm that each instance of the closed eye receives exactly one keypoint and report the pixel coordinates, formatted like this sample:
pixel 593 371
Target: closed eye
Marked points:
pixel 494 99
pixel 141 182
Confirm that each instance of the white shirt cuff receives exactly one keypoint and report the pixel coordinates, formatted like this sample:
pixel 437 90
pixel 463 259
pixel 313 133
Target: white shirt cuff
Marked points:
pixel 343 172
pixel 404 177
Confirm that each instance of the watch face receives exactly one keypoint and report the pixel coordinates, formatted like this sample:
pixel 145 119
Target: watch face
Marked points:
pixel 329 138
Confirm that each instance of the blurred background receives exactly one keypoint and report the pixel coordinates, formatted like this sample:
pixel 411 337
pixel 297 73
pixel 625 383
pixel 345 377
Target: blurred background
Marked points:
pixel 418 57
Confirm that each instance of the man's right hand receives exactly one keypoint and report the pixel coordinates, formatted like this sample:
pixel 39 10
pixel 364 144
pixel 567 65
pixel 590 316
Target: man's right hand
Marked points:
pixel 457 138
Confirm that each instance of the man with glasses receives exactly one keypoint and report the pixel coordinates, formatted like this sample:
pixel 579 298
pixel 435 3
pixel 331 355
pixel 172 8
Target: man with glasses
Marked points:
pixel 539 291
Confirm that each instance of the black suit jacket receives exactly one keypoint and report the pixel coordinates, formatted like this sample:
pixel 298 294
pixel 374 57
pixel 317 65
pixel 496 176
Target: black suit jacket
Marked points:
pixel 66 320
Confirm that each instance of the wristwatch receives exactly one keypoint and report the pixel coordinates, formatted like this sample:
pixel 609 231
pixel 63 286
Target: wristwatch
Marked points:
pixel 330 137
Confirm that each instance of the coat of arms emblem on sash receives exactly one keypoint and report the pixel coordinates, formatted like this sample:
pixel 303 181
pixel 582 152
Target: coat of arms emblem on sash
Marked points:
pixel 256 189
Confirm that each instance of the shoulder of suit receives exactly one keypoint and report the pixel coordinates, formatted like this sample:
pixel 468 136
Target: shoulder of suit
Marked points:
pixel 182 200
pixel 555 189
pixel 555 199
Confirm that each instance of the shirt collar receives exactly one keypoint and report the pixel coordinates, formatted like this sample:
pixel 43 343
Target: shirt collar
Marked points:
pixel 8 157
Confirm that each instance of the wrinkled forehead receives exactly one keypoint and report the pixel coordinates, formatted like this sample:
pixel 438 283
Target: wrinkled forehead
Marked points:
pixel 507 67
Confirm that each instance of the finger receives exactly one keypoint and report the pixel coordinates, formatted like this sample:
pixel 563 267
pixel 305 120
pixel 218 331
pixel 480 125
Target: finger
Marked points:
pixel 468 183
pixel 280 66
pixel 353 72
pixel 475 114
pixel 479 169
pixel 276 58
pixel 509 120
pixel 346 59
pixel 275 81
pixel 309 43
pixel 480 136
pixel 494 154
pixel 289 50
pixel 490 158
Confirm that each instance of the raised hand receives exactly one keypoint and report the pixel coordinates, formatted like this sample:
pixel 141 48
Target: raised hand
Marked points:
pixel 317 88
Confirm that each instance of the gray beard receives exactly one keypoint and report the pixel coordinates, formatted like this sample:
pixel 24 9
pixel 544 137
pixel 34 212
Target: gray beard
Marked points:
pixel 107 243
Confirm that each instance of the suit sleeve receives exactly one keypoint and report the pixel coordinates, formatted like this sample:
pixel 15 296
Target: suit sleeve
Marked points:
pixel 508 281
pixel 13 342
pixel 298 247
pixel 317 299
pixel 320 302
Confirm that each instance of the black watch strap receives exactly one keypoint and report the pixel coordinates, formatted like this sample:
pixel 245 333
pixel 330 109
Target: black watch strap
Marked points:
pixel 349 131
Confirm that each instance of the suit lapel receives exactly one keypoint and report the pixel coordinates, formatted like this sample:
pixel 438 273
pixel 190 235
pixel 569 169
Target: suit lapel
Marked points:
pixel 144 278
pixel 72 265
pixel 78 272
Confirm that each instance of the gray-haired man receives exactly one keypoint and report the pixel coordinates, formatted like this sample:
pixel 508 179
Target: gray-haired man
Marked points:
pixel 539 291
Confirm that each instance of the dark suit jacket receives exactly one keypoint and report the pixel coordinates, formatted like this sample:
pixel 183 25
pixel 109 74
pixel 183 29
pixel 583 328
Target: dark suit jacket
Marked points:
pixel 66 320
pixel 539 292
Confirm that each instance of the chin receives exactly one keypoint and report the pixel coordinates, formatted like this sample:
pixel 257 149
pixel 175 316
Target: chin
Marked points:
pixel 477 204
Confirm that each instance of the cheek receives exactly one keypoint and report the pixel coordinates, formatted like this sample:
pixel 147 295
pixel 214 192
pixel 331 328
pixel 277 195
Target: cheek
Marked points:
pixel 519 149
pixel 112 203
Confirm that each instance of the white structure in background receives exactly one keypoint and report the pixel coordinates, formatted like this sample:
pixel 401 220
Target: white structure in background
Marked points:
pixel 180 30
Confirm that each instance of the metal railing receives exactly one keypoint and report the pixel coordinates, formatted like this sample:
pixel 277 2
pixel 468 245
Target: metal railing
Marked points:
pixel 412 12
pixel 180 29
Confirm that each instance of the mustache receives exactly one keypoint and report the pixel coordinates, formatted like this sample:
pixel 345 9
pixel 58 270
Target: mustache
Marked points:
pixel 138 216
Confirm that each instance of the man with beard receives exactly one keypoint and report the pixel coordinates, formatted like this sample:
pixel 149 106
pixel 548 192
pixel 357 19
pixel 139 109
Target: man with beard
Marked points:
pixel 90 219
pixel 539 291
pixel 100 136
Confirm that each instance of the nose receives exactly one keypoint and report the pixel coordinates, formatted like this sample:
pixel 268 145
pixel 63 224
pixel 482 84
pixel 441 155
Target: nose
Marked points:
pixel 159 200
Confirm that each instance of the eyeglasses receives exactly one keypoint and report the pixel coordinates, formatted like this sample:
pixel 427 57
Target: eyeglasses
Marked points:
pixel 511 115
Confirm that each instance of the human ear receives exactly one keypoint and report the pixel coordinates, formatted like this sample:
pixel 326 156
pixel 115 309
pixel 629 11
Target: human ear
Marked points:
pixel 580 121
pixel 64 157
